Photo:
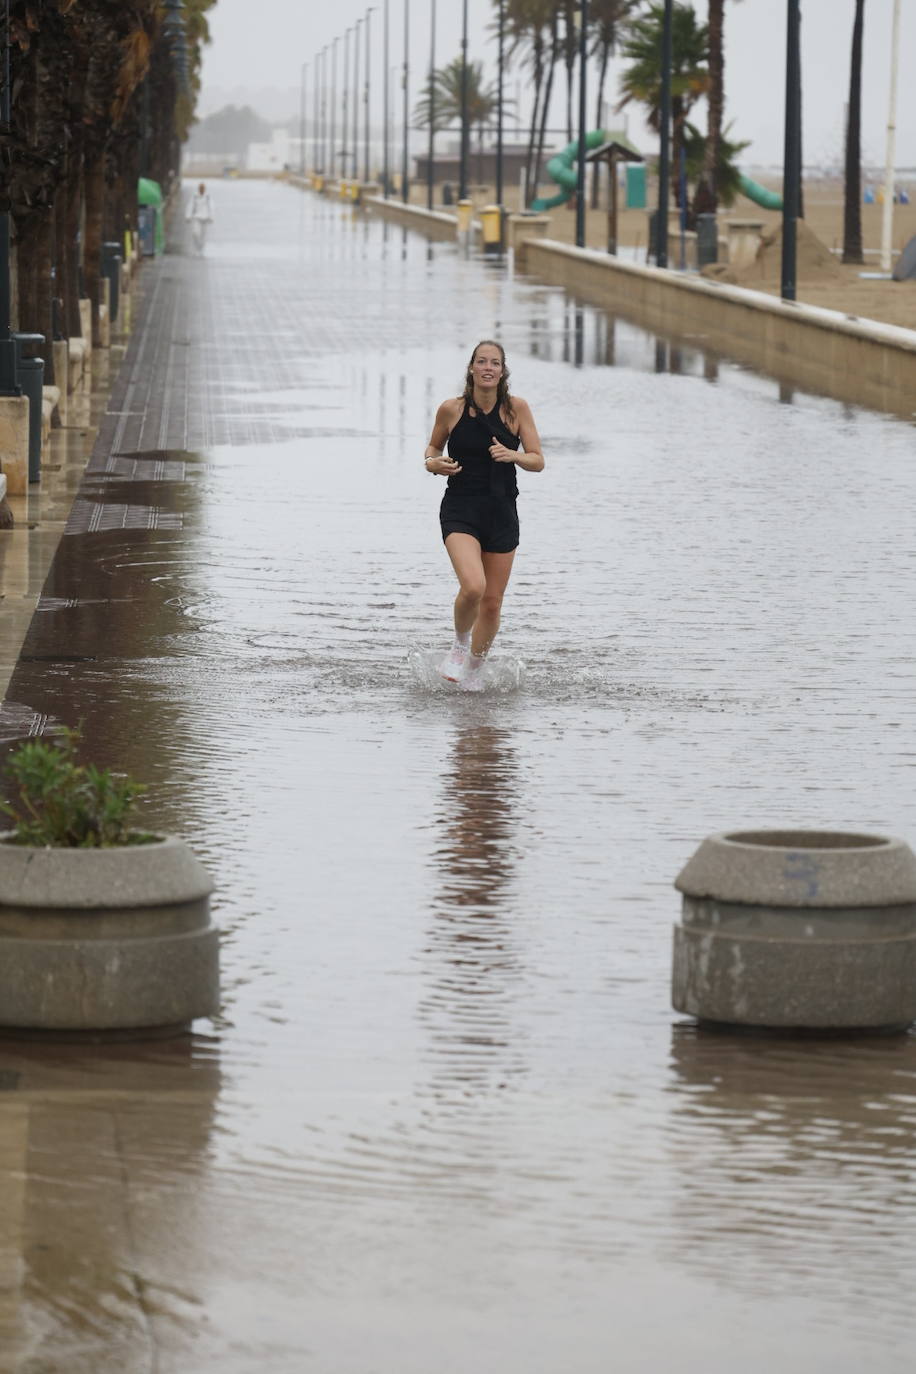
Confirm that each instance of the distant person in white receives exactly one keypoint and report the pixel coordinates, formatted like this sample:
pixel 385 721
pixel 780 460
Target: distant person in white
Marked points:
pixel 199 216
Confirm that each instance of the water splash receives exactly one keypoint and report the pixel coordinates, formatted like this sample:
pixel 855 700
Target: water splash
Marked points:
pixel 501 675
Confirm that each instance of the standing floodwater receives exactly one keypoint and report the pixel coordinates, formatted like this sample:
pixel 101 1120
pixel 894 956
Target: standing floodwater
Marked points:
pixel 448 1121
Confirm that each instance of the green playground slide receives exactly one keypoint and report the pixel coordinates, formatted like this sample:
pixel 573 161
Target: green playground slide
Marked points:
pixel 770 200
pixel 563 170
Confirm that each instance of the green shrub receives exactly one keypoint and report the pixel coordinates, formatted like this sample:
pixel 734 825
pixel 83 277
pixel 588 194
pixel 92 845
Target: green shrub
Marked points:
pixel 63 803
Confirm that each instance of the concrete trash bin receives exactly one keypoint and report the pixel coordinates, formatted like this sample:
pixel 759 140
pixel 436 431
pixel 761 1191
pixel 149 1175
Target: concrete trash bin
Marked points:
pixel 491 224
pixel 798 930
pixel 465 213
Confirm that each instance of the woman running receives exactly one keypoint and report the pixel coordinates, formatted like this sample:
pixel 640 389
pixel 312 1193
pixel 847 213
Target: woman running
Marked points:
pixel 489 434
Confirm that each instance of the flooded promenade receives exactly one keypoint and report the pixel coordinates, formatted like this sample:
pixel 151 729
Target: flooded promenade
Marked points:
pixel 447 1121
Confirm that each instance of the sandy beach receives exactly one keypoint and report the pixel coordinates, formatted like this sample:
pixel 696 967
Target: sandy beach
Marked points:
pixel 843 289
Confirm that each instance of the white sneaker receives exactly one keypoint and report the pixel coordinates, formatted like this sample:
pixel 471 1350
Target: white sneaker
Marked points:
pixel 472 678
pixel 453 665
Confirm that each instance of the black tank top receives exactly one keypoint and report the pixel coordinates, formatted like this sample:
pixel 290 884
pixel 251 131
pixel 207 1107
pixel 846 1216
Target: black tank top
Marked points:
pixel 469 444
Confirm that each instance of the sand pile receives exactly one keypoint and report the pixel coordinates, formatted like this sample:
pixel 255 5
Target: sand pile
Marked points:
pixel 814 261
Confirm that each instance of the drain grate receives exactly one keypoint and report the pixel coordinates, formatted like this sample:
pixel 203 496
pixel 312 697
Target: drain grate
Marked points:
pixel 146 469
pixel 89 517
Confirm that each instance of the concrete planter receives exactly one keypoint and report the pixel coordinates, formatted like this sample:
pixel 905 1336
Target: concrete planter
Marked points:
pixel 106 939
pixel 798 930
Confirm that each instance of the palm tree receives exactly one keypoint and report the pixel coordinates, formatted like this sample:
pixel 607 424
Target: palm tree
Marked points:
pixel 607 17
pixel 852 189
pixel 447 87
pixel 570 10
pixel 727 173
pixel 73 147
pixel 707 193
pixel 533 27
pixel 481 101
pixel 689 70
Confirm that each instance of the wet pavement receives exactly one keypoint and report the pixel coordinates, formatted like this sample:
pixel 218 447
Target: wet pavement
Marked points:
pixel 447 1120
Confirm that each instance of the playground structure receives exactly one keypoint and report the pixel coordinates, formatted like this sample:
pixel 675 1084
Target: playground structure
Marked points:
pixel 562 169
pixel 562 166
pixel 768 200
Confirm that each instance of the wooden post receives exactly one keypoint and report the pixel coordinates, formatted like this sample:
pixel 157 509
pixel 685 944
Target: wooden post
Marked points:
pixel 612 205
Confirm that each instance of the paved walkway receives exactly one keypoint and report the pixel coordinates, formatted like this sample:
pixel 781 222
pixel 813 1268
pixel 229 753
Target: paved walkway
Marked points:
pixel 446 1120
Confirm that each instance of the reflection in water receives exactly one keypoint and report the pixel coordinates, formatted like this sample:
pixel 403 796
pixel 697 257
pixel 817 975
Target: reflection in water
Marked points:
pixel 790 1152
pixel 471 947
pixel 103 1150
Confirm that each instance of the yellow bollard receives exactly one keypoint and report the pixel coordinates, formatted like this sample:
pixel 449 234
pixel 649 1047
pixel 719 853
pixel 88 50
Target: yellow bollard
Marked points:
pixel 465 209
pixel 491 223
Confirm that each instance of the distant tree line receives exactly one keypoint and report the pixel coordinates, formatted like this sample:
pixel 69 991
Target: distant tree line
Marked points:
pixel 230 130
pixel 97 102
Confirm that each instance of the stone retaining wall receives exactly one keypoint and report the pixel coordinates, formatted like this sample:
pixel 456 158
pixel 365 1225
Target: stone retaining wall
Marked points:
pixel 434 223
pixel 824 351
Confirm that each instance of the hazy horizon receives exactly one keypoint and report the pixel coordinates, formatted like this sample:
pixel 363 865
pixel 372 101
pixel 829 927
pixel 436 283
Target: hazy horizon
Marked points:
pixel 247 65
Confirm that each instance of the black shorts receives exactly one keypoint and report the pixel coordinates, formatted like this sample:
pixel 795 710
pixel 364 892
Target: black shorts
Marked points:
pixel 489 518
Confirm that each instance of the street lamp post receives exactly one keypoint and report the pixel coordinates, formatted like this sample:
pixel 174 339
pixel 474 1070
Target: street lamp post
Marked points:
pixel 8 383
pixel 385 110
pixel 345 111
pixel 580 169
pixel 432 105
pixel 332 152
pixel 356 100
pixel 463 173
pixel 405 185
pixel 325 83
pixel 316 113
pixel 664 158
pixel 366 94
pixel 499 110
pixel 792 153
pixel 887 218
pixel 302 119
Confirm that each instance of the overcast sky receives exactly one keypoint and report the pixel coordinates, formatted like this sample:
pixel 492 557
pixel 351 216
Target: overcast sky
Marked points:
pixel 258 49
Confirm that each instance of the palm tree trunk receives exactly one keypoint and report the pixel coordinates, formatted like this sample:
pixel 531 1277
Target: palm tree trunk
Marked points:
pixel 530 157
pixel 542 131
pixel 852 188
pixel 92 246
pixel 70 247
pixel 707 197
pixel 41 242
pixel 599 103
pixel 678 118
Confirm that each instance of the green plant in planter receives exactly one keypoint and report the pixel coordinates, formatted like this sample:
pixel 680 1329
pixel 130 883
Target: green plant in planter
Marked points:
pixel 65 804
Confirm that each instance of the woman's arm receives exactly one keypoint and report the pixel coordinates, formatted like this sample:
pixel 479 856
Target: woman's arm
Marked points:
pixel 443 425
pixel 529 455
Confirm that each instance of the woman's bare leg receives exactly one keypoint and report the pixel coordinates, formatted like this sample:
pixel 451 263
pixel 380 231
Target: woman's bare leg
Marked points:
pixel 468 562
pixel 497 568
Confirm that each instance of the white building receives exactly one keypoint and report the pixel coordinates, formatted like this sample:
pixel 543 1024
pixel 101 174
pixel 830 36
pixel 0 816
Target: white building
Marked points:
pixel 282 151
